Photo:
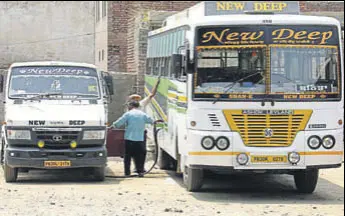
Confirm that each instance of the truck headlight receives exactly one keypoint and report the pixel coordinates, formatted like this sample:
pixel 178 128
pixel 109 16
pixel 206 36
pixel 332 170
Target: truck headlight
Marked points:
pixel 19 134
pixel 328 142
pixel 94 135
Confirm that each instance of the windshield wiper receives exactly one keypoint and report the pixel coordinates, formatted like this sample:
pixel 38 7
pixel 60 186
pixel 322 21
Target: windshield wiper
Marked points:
pixel 230 86
pixel 85 95
pixel 43 95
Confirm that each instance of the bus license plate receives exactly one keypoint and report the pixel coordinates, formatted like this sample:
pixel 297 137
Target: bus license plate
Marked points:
pixel 57 163
pixel 268 159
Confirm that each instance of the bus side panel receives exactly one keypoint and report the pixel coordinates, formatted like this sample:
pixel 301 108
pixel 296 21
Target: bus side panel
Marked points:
pixel 159 109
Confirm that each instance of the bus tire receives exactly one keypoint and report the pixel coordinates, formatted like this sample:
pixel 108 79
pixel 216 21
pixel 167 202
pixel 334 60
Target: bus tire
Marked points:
pixel 11 174
pixel 163 159
pixel 193 179
pixel 99 173
pixel 2 153
pixel 306 180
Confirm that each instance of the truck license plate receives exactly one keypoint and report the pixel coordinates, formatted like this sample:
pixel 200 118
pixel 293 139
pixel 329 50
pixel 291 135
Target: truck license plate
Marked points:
pixel 57 163
pixel 268 159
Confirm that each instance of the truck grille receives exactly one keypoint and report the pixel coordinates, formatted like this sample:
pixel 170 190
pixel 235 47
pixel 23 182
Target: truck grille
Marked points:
pixel 57 139
pixel 267 130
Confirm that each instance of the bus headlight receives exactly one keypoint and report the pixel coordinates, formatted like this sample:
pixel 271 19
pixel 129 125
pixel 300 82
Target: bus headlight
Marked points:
pixel 314 142
pixel 328 142
pixel 207 143
pixel 222 143
pixel 94 135
pixel 19 134
pixel 242 159
pixel 294 157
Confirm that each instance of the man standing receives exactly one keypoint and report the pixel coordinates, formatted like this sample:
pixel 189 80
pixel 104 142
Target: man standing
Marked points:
pixel 135 121
pixel 143 103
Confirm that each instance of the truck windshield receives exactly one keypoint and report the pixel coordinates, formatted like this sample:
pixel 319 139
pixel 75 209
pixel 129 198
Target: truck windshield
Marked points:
pixel 63 82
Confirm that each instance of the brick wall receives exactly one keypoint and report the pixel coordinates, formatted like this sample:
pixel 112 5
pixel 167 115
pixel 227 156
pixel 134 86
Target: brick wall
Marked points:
pixel 121 18
pixel 319 6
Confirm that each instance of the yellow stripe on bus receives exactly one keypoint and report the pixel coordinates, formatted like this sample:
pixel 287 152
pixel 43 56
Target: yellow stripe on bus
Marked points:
pixel 236 153
pixel 214 153
pixel 155 104
pixel 182 98
pixel 322 153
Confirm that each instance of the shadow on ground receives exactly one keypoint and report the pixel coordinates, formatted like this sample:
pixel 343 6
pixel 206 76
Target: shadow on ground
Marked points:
pixel 263 189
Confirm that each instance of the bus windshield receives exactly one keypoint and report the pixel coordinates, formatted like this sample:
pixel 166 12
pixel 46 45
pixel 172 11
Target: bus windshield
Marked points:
pixel 262 62
pixel 298 70
pixel 64 82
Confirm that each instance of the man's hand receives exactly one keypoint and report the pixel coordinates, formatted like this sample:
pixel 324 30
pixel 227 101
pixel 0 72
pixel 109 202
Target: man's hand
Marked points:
pixel 154 91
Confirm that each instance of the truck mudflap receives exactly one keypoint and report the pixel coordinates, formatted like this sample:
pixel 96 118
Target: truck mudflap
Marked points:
pixel 56 159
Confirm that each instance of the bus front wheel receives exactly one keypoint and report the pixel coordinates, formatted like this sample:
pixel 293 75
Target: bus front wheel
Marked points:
pixel 163 159
pixel 306 180
pixel 193 178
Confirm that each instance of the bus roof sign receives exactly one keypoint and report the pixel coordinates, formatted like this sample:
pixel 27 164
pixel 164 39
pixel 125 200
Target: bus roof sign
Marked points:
pixel 216 8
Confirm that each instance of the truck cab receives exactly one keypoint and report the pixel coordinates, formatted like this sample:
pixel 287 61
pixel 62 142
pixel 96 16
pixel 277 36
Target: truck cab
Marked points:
pixel 55 118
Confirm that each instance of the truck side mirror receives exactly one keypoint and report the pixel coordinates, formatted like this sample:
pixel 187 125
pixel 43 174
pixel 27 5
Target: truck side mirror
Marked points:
pixel 176 64
pixel 1 83
pixel 109 82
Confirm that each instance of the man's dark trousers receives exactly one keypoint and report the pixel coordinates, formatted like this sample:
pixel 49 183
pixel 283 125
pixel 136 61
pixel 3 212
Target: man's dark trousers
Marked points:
pixel 135 150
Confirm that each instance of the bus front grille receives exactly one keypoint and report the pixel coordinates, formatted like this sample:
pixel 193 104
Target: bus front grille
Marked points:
pixel 267 130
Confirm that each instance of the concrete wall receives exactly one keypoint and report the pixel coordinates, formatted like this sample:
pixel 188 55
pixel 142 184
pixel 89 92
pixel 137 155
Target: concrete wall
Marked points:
pixel 50 30
pixel 101 35
pixel 124 85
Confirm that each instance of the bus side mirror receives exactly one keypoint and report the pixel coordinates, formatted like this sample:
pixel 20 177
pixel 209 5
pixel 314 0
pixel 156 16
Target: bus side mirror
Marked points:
pixel 1 83
pixel 176 64
pixel 109 82
pixel 189 66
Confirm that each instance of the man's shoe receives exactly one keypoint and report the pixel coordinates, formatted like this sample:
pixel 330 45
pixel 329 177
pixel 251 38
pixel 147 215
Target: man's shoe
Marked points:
pixel 141 175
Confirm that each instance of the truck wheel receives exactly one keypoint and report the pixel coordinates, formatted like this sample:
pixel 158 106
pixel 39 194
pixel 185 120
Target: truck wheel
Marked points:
pixel 99 173
pixel 193 178
pixel 10 173
pixel 163 159
pixel 306 180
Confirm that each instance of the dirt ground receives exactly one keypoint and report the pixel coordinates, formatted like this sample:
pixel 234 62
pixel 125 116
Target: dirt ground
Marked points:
pixel 162 193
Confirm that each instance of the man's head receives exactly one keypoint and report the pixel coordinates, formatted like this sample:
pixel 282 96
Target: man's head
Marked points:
pixel 133 104
pixel 134 97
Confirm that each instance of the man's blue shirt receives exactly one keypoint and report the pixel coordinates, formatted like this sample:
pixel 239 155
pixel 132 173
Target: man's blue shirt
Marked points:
pixel 135 121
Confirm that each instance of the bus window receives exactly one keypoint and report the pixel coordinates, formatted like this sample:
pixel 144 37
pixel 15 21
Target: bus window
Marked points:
pixel 156 67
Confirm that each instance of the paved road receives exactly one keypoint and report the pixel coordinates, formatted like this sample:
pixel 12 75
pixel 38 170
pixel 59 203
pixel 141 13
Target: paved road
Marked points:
pixel 162 193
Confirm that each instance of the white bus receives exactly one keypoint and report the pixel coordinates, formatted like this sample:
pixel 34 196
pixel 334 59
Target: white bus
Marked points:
pixel 248 87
